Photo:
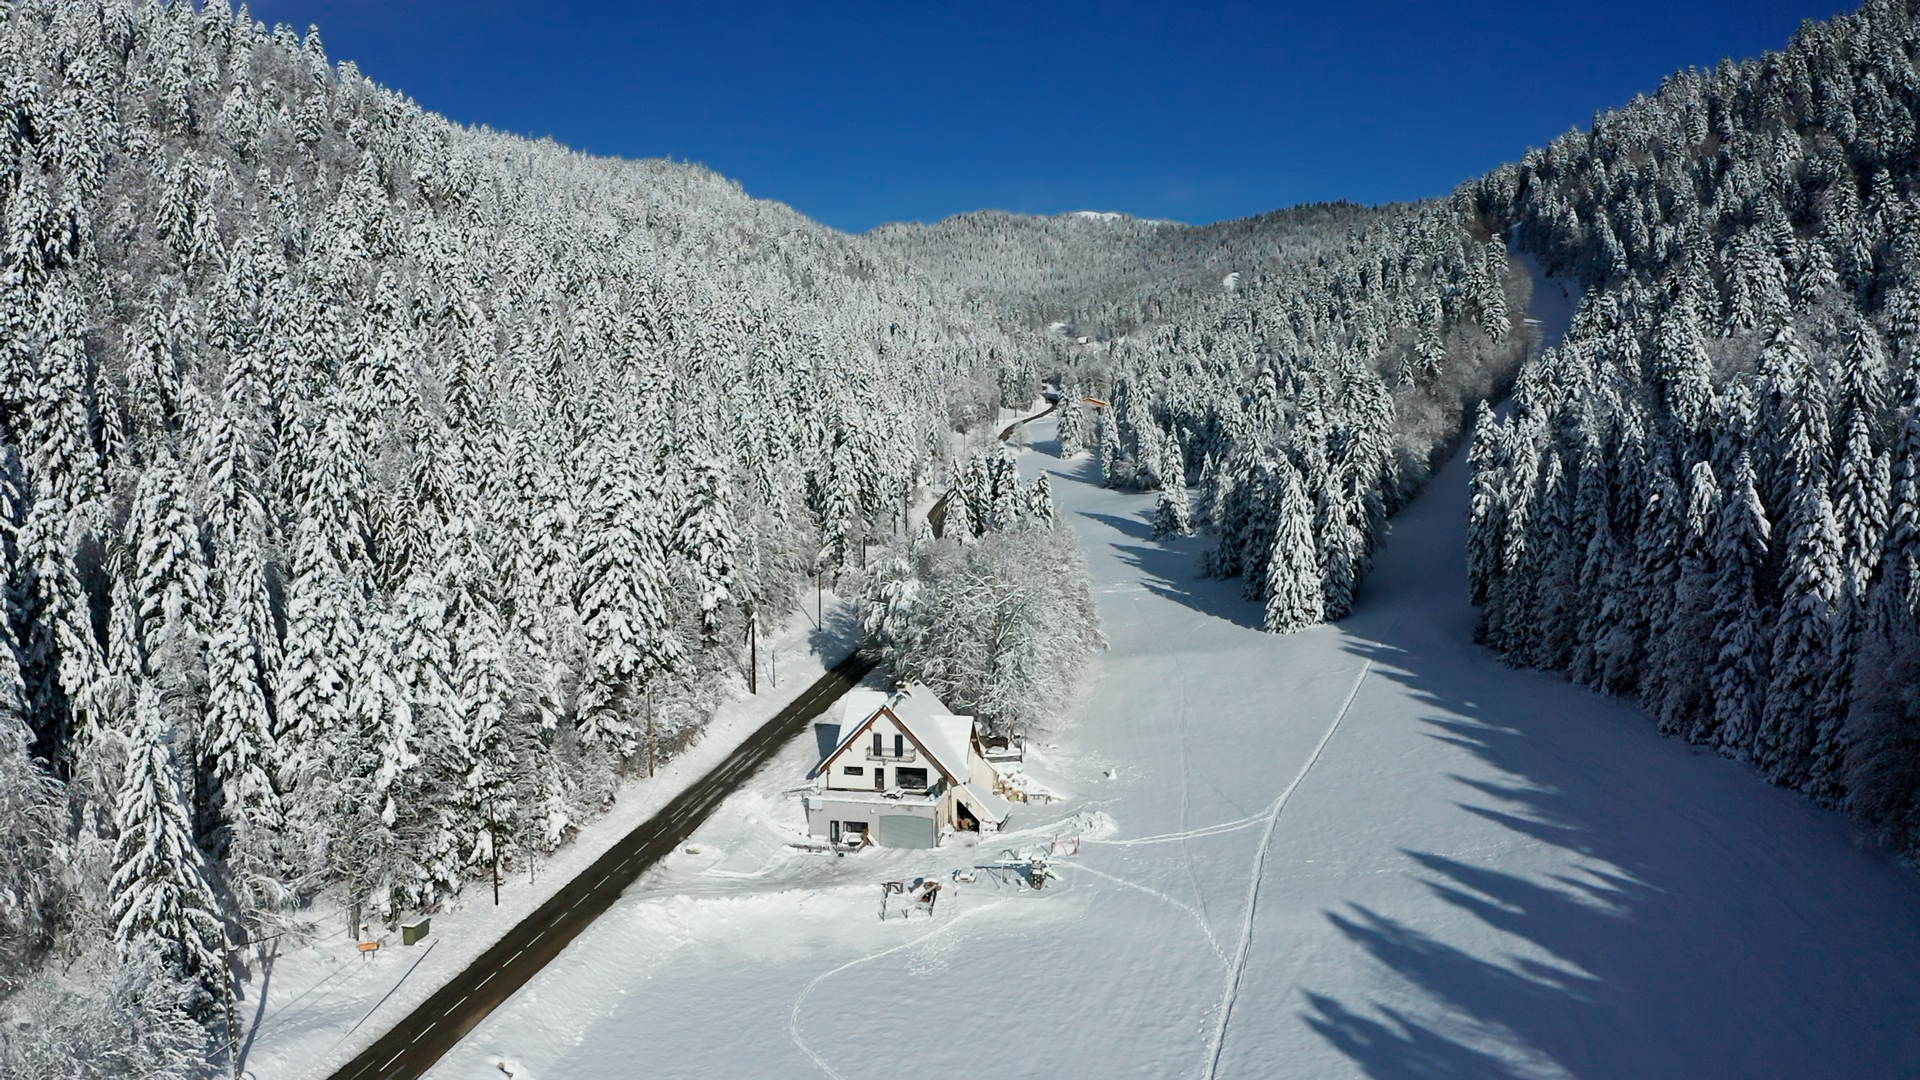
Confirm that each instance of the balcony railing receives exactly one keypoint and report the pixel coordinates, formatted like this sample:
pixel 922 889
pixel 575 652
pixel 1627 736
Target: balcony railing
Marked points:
pixel 907 754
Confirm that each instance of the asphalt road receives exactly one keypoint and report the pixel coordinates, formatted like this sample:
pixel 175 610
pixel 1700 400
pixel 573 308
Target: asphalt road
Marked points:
pixel 415 1043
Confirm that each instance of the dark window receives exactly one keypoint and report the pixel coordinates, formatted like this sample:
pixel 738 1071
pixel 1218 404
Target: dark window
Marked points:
pixel 856 770
pixel 854 828
pixel 879 777
pixel 876 744
pixel 910 779
pixel 899 746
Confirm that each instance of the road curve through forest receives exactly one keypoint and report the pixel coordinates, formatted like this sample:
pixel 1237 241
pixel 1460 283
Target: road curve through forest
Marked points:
pixel 415 1043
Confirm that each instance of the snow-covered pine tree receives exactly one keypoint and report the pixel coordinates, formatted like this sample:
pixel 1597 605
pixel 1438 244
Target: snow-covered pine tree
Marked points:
pixel 1803 636
pixel 483 698
pixel 706 539
pixel 65 463
pixel 1679 671
pixel 1039 502
pixel 160 897
pixel 1683 375
pixel 1737 674
pixel 1172 513
pixel 1861 502
pixel 239 742
pixel 623 607
pixel 323 635
pixel 1210 491
pixel 1898 609
pixel 1296 596
pixel 1343 551
pixel 1485 520
pixel 958 524
pixel 1002 497
pixel 1073 421
pixel 170 582
pixel 1107 444
pixel 840 500
pixel 61 659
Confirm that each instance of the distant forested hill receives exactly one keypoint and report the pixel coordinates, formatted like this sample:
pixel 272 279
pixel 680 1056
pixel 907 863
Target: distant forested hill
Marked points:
pixel 1301 369
pixel 1103 273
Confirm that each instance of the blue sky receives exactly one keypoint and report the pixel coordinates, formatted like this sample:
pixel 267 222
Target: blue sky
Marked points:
pixel 857 114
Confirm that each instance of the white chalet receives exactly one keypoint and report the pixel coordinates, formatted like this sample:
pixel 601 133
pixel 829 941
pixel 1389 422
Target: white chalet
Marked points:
pixel 902 770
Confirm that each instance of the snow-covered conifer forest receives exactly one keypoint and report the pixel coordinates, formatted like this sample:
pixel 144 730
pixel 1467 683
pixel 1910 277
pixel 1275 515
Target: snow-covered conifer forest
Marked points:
pixel 378 495
pixel 363 479
pixel 1709 496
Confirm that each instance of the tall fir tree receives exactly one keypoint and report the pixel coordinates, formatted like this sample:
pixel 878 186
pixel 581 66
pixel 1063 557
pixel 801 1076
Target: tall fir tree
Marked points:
pixel 161 900
pixel 1295 594
pixel 1172 514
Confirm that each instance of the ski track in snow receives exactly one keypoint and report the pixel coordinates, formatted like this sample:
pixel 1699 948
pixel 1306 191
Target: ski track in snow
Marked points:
pixel 793 1016
pixel 1239 965
pixel 1198 918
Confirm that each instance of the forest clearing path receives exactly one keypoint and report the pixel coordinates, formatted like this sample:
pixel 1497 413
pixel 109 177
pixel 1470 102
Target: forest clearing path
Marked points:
pixel 1491 872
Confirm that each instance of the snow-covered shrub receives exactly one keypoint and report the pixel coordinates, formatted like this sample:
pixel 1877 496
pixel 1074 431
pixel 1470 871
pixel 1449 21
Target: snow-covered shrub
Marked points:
pixel 1000 627
pixel 132 1020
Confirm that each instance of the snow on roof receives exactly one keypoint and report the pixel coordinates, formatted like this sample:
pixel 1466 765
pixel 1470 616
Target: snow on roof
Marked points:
pixel 857 705
pixel 945 736
pixel 987 801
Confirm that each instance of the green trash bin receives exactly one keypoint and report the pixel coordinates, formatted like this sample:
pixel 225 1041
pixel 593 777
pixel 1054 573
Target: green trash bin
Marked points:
pixel 412 932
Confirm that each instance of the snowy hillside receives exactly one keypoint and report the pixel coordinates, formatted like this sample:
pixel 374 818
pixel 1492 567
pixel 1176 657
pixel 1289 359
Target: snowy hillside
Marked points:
pixel 1363 850
pixel 1709 496
pixel 379 497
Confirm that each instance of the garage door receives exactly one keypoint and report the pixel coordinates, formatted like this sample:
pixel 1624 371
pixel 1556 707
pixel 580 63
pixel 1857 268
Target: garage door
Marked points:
pixel 899 830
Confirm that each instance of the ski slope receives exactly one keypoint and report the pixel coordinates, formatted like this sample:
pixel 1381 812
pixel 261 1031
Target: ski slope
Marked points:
pixel 1362 850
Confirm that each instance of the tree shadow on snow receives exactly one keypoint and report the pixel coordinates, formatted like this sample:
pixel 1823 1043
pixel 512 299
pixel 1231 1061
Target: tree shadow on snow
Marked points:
pixel 1130 526
pixel 1170 568
pixel 1655 952
pixel 841 628
pixel 1399 1046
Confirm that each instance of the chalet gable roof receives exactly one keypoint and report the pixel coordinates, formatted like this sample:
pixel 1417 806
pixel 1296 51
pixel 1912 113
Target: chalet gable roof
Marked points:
pixel 942 736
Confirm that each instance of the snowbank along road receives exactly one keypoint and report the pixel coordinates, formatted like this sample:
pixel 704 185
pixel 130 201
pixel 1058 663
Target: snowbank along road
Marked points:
pixel 419 1040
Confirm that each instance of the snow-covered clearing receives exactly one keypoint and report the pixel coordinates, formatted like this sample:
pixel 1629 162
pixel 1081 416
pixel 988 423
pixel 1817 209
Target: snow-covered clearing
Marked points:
pixel 1367 849
pixel 325 1001
pixel 1359 850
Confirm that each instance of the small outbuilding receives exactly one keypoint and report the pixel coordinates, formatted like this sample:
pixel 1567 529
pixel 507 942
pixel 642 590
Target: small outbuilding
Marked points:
pixel 902 770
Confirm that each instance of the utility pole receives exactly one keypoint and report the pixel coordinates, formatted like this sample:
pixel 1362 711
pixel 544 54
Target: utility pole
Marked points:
pixel 233 1026
pixel 753 650
pixel 493 841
